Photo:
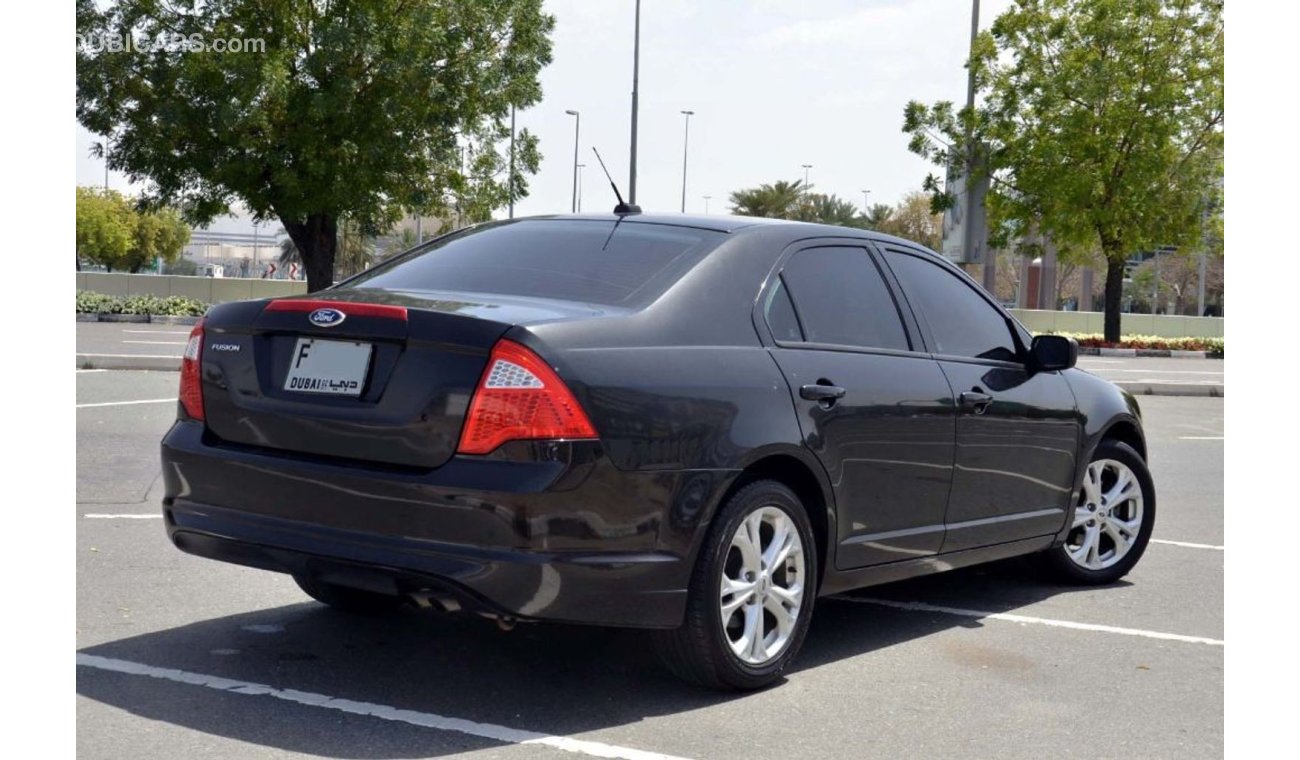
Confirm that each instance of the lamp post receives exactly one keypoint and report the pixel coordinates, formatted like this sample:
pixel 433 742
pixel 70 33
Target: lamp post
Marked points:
pixel 806 167
pixel 865 204
pixel 706 203
pixel 580 168
pixel 577 122
pixel 686 140
pixel 511 179
pixel 636 73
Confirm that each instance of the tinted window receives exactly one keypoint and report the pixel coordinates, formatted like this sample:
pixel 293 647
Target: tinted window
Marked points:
pixel 961 322
pixel 842 299
pixel 781 319
pixel 593 262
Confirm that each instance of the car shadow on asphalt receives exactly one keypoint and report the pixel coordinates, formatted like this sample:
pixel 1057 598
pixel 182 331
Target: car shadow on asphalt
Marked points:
pixel 555 679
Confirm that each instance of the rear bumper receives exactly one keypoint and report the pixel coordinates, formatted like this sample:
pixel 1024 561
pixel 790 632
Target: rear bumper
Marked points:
pixel 563 536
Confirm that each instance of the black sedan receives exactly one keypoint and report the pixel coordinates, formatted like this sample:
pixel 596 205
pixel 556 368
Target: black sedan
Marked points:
pixel 696 425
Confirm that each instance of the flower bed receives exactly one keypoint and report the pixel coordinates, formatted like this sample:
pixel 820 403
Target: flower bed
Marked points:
pixel 171 306
pixel 1212 346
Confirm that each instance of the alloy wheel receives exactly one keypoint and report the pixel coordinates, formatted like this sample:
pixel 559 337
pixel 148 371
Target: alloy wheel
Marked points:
pixel 1108 516
pixel 762 585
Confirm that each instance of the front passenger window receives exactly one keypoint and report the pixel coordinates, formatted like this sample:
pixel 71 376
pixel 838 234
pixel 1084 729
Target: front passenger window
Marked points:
pixel 962 322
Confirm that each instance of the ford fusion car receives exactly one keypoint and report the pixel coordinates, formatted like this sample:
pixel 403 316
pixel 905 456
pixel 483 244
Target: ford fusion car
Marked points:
pixel 694 425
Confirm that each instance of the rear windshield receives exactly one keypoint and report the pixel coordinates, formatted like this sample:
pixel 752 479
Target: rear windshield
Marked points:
pixel 589 261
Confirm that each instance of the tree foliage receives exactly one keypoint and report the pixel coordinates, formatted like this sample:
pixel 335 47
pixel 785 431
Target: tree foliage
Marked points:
pixel 356 109
pixel 792 200
pixel 113 232
pixel 1102 123
pixel 914 220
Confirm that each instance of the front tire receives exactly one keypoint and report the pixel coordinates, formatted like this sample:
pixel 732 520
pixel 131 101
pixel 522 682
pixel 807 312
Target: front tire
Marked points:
pixel 1113 519
pixel 751 594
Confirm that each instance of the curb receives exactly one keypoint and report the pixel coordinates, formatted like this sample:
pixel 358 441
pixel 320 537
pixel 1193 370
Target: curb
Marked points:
pixel 1171 389
pixel 157 319
pixel 128 361
pixel 1162 353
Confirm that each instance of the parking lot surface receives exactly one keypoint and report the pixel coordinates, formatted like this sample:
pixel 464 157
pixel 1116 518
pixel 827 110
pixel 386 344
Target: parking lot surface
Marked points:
pixel 183 657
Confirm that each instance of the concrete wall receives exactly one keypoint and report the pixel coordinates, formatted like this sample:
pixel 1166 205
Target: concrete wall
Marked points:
pixel 1130 324
pixel 206 289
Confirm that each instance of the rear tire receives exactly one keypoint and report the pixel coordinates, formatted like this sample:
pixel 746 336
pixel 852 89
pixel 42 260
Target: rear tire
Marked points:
pixel 1112 522
pixel 346 599
pixel 751 593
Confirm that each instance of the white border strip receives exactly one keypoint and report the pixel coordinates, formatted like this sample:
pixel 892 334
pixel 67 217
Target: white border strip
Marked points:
pixel 1200 438
pixel 128 403
pixel 100 516
pixel 1187 545
pixel 490 731
pixel 923 607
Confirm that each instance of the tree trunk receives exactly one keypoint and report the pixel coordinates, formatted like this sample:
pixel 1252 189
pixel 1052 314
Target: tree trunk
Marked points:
pixel 317 242
pixel 1114 294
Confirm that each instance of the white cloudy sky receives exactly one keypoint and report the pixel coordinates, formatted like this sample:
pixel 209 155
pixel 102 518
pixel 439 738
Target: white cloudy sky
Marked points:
pixel 774 84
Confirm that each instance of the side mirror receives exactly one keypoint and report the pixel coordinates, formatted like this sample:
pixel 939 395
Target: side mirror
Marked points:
pixel 1052 352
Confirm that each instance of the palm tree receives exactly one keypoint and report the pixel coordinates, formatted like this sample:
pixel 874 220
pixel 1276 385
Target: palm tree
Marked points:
pixel 780 200
pixel 829 209
pixel 878 216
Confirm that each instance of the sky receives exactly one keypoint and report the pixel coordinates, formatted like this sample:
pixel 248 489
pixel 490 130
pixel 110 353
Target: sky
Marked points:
pixel 774 84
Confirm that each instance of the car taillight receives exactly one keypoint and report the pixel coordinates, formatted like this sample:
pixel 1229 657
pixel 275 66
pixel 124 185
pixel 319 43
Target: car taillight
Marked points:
pixel 191 394
pixel 519 397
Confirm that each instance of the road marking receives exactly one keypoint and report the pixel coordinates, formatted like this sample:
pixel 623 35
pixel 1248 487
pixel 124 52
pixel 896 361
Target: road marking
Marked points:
pixel 131 356
pixel 1166 371
pixel 126 403
pixel 503 734
pixel 101 516
pixel 156 342
pixel 90 370
pixel 1187 544
pixel 155 332
pixel 923 607
pixel 1200 438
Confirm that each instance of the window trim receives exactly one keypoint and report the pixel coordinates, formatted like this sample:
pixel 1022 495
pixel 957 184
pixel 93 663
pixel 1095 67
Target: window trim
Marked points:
pixel 923 323
pixel 916 348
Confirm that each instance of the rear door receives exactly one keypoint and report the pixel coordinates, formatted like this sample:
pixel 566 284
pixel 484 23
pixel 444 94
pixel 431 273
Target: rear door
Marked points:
pixel 1017 431
pixel 876 412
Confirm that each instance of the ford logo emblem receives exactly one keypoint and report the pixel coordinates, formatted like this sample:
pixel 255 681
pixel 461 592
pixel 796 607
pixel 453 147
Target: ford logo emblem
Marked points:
pixel 326 317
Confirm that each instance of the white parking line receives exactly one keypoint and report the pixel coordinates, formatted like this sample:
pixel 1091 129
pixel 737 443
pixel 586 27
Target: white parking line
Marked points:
pixel 100 516
pixel 127 403
pixel 923 607
pixel 156 342
pixel 90 370
pixel 1187 544
pixel 503 734
pixel 1200 438
pixel 155 332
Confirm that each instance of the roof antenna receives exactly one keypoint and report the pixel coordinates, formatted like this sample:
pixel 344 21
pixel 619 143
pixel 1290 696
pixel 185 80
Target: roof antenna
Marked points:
pixel 621 208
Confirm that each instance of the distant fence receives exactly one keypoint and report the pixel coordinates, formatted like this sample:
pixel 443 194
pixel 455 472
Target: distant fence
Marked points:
pixel 1129 324
pixel 222 289
pixel 206 289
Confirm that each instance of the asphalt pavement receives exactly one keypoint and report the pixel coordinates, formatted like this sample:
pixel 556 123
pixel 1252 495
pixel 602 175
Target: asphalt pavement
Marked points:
pixel 184 657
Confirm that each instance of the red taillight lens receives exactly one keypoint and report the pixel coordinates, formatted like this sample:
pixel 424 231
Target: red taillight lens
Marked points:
pixel 519 397
pixel 191 394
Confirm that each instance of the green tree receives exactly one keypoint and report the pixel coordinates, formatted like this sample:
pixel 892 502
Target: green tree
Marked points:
pixel 161 233
pixel 829 209
pixel 775 201
pixel 105 227
pixel 356 109
pixel 914 219
pixel 354 250
pixel 1102 123
pixel 877 216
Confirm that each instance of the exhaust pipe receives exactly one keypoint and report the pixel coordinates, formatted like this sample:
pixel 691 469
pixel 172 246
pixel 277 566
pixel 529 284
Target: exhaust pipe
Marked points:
pixel 427 599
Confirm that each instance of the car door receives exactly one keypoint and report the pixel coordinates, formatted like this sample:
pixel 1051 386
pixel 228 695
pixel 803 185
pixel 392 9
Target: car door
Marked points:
pixel 1017 430
pixel 877 412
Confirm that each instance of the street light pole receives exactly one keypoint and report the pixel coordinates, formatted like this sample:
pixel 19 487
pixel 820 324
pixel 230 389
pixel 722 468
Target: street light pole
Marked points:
pixel 686 141
pixel 580 168
pixel 512 161
pixel 865 193
pixel 806 167
pixel 577 122
pixel 706 203
pixel 636 73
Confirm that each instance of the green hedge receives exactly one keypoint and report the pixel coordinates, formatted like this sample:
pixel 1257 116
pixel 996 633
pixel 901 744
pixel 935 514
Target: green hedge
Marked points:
pixel 171 306
pixel 1212 346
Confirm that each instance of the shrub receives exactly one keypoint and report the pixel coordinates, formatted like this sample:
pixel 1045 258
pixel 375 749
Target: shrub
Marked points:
pixel 1212 346
pixel 170 306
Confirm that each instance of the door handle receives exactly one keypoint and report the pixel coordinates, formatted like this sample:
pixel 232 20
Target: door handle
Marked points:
pixel 821 392
pixel 976 400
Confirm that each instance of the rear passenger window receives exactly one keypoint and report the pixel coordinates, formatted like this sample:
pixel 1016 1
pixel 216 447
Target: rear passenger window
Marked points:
pixel 779 312
pixel 841 298
pixel 961 321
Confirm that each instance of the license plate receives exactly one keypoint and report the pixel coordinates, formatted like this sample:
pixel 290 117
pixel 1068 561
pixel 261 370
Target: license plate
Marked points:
pixel 333 367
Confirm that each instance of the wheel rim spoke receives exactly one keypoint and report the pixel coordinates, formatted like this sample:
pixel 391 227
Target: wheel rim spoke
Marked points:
pixel 1109 508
